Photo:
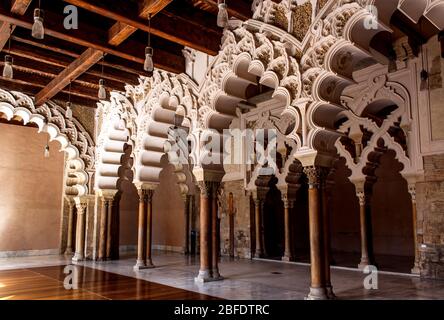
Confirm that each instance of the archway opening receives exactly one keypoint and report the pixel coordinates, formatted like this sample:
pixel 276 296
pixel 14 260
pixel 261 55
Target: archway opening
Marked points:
pixel 345 225
pixel 274 228
pixel 300 237
pixel 31 198
pixel 391 211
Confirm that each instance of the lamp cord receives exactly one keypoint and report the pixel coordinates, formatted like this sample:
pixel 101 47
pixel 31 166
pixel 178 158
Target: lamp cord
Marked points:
pixel 149 30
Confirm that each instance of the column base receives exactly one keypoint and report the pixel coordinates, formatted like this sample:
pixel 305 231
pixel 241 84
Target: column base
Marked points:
pixel 215 275
pixel 68 252
pixel 78 257
pixel 317 294
pixel 258 254
pixel 330 294
pixel 416 269
pixel 149 264
pixel 364 263
pixel 203 276
pixel 287 258
pixel 140 265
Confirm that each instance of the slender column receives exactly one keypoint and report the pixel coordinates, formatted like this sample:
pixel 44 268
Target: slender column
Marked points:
pixel 287 253
pixel 258 224
pixel 141 239
pixel 149 228
pixel 364 216
pixel 205 228
pixel 109 228
pixel 317 286
pixel 231 222
pixel 412 191
pixel 215 248
pixel 69 250
pixel 80 231
pixel 326 234
pixel 102 231
pixel 186 246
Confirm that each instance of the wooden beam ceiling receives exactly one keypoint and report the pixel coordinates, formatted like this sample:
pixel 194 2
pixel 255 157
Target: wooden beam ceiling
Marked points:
pixel 47 57
pixel 117 34
pixel 117 29
pixel 186 34
pixel 18 7
pixel 92 37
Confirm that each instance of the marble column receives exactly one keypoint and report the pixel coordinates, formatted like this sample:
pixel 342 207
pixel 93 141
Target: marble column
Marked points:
pixel 412 191
pixel 259 253
pixel 364 217
pixel 215 245
pixel 69 243
pixel 317 286
pixel 149 228
pixel 102 230
pixel 109 228
pixel 186 245
pixel 287 250
pixel 231 211
pixel 80 230
pixel 205 232
pixel 141 238
pixel 326 189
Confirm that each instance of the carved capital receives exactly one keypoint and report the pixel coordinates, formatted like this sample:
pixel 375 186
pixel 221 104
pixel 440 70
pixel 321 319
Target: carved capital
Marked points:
pixel 81 207
pixel 81 204
pixel 145 195
pixel 412 191
pixel 285 198
pixel 361 197
pixel 313 174
pixel 205 188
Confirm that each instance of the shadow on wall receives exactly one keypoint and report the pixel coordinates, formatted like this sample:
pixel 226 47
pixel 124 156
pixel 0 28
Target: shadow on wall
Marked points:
pixel 391 218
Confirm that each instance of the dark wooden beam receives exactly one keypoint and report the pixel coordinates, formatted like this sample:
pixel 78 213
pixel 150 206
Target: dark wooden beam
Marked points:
pixel 93 38
pixel 30 89
pixel 178 13
pixel 18 7
pixel 78 67
pixel 128 68
pixel 37 81
pixel 185 34
pixel 92 56
pixel 51 59
pixel 50 71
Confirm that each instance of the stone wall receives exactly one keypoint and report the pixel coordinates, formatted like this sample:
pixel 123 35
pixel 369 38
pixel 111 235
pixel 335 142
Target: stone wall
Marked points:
pixel 430 204
pixel 242 222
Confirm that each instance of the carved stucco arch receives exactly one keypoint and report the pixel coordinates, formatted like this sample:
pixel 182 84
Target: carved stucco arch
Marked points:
pixel 247 58
pixel 380 90
pixel 71 135
pixel 116 120
pixel 338 41
pixel 169 101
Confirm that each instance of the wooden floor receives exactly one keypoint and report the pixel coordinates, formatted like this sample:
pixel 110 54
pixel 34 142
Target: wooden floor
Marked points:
pixel 47 283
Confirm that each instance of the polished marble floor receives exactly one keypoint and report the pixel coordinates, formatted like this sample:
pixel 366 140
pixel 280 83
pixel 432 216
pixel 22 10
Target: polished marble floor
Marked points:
pixel 252 279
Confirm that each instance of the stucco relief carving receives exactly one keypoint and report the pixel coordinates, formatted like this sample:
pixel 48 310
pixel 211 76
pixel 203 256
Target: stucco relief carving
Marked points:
pixel 379 91
pixel 141 118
